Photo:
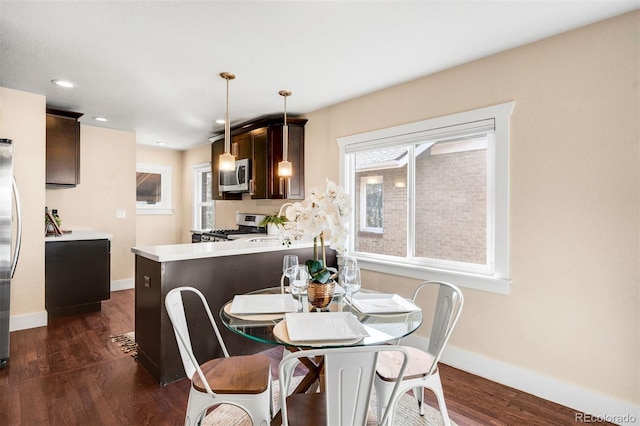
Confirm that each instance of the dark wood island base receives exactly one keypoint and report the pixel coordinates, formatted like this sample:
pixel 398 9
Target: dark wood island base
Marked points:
pixel 219 278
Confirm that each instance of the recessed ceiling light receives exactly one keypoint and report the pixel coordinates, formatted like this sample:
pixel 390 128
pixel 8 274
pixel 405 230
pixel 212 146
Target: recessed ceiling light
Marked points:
pixel 63 83
pixel 161 143
pixel 100 119
pixel 220 121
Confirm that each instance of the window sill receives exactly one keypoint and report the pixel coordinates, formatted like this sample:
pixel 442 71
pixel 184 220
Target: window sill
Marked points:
pixel 461 279
pixel 154 211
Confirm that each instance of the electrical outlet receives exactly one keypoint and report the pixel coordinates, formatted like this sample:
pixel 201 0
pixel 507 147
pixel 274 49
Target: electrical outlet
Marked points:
pixel 121 214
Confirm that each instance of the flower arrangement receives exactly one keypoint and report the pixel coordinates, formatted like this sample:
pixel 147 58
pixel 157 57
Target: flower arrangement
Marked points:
pixel 325 211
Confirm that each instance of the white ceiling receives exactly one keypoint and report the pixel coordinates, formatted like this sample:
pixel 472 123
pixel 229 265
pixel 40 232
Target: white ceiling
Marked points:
pixel 152 66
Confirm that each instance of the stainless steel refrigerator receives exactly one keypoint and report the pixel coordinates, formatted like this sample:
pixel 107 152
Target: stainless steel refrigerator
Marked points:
pixel 9 251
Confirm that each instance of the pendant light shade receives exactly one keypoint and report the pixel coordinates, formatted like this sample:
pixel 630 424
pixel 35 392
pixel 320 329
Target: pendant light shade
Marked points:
pixel 284 167
pixel 227 161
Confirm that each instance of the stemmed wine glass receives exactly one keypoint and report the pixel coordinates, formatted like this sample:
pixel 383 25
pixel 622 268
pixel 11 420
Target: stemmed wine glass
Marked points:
pixel 300 282
pixel 288 264
pixel 347 261
pixel 351 282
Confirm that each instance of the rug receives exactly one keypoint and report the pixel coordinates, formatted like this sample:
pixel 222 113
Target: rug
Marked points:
pixel 407 413
pixel 127 343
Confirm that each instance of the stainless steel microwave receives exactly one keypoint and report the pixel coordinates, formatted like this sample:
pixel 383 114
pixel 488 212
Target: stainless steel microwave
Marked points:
pixel 236 180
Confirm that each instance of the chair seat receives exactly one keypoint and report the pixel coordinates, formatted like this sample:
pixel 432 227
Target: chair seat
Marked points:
pixel 389 364
pixel 247 374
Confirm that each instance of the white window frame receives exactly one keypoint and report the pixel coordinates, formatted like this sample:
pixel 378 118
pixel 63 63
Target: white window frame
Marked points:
pixel 166 178
pixel 363 204
pixel 496 278
pixel 197 171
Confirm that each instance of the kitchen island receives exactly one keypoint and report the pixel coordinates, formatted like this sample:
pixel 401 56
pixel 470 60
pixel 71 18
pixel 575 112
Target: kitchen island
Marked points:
pixel 77 272
pixel 220 270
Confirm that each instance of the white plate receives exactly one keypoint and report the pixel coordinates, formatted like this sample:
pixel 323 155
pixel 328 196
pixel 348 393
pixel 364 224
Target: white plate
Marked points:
pixel 253 317
pixel 280 332
pixel 323 326
pixel 383 304
pixel 337 290
pixel 263 304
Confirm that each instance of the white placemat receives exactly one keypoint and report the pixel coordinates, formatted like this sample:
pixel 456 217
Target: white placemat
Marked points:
pixel 263 304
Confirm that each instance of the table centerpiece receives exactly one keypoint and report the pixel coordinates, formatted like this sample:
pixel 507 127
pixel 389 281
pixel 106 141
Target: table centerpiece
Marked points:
pixel 322 218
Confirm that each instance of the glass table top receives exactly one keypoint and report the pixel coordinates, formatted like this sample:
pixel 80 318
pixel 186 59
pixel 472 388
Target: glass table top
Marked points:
pixel 270 328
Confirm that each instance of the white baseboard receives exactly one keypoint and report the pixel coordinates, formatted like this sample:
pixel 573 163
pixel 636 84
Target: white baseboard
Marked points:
pixel 25 321
pixel 122 284
pixel 39 319
pixel 598 406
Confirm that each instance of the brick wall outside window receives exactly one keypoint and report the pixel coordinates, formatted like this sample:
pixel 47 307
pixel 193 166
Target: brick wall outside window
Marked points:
pixel 450 208
pixel 451 201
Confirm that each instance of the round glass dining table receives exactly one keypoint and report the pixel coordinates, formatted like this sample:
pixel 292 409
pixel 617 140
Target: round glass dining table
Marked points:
pixel 382 328
pixel 271 329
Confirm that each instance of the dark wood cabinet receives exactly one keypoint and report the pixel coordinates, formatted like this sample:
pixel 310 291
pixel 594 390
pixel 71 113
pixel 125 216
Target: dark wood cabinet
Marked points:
pixel 291 188
pixel 77 276
pixel 261 141
pixel 63 148
pixel 259 164
pixel 241 145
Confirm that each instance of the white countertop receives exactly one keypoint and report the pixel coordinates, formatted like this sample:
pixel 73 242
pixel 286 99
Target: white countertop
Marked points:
pixel 175 252
pixel 79 234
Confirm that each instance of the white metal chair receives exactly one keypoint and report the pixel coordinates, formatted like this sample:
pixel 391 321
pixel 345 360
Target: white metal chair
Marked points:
pixel 348 381
pixel 422 368
pixel 243 381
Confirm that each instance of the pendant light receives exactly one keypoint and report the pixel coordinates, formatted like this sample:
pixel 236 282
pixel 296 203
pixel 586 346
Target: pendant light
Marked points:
pixel 284 167
pixel 227 161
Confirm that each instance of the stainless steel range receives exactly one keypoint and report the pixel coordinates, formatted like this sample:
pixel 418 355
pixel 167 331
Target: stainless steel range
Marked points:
pixel 248 224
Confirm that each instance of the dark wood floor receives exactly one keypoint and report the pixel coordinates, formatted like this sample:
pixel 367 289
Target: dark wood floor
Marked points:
pixel 70 373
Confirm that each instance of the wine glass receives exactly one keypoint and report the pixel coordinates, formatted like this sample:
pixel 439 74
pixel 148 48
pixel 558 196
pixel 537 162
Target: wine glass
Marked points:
pixel 351 282
pixel 349 261
pixel 346 262
pixel 288 263
pixel 300 281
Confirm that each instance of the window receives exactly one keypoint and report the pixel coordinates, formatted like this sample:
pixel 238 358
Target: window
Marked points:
pixel 153 189
pixel 431 198
pixel 371 204
pixel 202 202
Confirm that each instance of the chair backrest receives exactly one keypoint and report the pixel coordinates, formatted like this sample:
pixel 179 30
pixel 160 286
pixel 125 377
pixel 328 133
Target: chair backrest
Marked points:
pixel 348 375
pixel 447 311
pixel 175 308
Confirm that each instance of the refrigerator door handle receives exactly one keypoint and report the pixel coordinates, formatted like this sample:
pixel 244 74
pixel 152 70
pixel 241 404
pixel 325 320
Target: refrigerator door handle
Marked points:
pixel 16 253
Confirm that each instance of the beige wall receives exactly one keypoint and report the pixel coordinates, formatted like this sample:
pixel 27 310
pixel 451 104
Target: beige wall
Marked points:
pixel 107 184
pixel 574 199
pixel 158 229
pixel 22 118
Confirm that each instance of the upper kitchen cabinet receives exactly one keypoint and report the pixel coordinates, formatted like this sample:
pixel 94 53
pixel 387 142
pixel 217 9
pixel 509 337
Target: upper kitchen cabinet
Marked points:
pixel 261 141
pixel 63 148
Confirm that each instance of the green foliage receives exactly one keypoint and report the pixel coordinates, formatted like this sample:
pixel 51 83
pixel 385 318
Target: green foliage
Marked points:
pixel 273 219
pixel 318 272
